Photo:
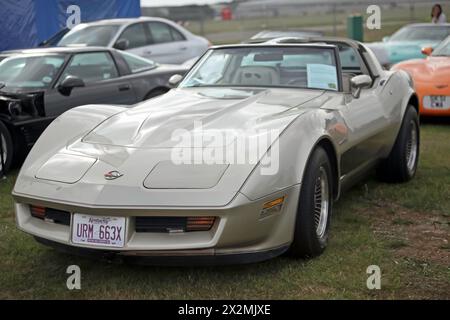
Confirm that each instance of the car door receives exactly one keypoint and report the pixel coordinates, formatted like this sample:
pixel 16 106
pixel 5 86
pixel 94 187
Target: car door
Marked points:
pixel 168 44
pixel 364 116
pixel 103 84
pixel 137 39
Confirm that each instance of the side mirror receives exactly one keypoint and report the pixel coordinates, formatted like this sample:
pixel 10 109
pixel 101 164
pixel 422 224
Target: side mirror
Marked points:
pixel 70 82
pixel 175 80
pixel 122 44
pixel 427 51
pixel 386 39
pixel 358 83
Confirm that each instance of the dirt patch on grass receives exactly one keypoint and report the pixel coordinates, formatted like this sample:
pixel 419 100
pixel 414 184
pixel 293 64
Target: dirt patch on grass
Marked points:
pixel 420 244
pixel 423 236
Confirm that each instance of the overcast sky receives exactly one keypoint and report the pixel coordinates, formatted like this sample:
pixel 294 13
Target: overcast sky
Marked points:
pixel 164 3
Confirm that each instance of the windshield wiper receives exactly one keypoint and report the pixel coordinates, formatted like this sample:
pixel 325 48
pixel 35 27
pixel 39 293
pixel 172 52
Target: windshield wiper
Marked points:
pixel 2 85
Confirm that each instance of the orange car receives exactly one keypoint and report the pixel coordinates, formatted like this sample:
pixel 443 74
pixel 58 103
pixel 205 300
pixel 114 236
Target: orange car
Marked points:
pixel 431 79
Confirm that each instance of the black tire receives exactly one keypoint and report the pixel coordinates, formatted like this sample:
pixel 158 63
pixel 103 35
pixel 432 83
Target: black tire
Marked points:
pixel 401 165
pixel 8 147
pixel 310 240
pixel 155 93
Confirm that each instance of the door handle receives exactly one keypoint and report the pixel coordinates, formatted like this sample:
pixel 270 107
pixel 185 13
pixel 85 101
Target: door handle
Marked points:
pixel 183 48
pixel 148 52
pixel 124 87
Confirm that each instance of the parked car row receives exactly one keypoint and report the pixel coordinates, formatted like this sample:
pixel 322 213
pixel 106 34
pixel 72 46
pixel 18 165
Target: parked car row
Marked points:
pixel 112 168
pixel 105 166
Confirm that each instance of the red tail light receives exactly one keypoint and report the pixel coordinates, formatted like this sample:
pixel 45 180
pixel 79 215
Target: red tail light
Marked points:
pixel 38 212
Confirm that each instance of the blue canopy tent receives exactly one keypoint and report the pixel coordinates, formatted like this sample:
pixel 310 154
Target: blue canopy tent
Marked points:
pixel 26 23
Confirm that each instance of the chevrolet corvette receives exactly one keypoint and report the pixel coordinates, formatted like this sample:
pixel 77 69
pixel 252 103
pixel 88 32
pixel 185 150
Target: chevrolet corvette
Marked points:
pixel 240 163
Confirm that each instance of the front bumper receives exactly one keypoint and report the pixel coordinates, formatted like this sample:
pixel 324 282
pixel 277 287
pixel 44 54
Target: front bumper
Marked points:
pixel 169 258
pixel 240 234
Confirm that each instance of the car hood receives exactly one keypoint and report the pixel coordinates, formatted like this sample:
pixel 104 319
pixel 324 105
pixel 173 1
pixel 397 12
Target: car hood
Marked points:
pixel 432 69
pixel 136 147
pixel 158 123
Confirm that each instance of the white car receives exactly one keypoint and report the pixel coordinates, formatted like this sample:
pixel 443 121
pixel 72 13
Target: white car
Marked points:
pixel 158 39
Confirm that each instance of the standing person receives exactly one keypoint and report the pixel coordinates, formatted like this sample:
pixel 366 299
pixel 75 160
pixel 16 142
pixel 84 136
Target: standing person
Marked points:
pixel 437 16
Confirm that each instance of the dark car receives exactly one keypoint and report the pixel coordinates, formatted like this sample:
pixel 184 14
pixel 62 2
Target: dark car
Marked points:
pixel 38 85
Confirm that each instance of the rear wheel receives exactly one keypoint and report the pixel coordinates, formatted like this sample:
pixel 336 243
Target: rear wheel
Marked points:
pixel 314 208
pixel 401 165
pixel 7 146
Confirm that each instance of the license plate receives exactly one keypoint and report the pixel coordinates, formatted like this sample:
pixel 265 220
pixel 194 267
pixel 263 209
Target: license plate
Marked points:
pixel 437 102
pixel 98 231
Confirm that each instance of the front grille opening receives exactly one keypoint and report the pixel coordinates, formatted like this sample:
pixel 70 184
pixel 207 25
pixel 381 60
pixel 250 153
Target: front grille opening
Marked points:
pixel 56 216
pixel 173 224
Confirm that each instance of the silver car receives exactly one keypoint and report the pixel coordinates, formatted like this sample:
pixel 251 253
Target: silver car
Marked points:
pixel 240 163
pixel 158 39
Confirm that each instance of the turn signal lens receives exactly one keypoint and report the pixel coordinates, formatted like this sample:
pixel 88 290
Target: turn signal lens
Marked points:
pixel 38 212
pixel 199 223
pixel 272 207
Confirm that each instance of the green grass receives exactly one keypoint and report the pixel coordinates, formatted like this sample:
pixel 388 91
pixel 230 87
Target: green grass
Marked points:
pixel 29 270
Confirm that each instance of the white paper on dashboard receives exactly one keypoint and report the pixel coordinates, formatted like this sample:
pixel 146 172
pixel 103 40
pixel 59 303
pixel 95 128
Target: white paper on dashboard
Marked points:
pixel 322 76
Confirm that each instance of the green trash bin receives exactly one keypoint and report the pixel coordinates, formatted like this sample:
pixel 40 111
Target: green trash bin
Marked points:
pixel 355 29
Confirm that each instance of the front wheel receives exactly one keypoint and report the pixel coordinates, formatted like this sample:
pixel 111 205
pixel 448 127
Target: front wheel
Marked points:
pixel 401 165
pixel 314 208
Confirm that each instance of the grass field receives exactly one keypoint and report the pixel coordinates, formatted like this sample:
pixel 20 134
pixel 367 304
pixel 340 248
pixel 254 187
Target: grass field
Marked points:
pixel 404 229
pixel 221 32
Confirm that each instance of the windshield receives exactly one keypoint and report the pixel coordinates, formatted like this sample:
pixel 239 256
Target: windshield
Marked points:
pixel 30 71
pixel 418 33
pixel 298 67
pixel 443 49
pixel 90 36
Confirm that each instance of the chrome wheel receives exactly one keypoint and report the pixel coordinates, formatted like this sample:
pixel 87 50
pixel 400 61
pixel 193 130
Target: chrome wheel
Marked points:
pixel 321 202
pixel 412 148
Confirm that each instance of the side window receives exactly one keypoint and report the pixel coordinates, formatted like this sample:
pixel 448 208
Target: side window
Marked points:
pixel 177 35
pixel 349 59
pixel 135 35
pixel 92 67
pixel 162 33
pixel 137 64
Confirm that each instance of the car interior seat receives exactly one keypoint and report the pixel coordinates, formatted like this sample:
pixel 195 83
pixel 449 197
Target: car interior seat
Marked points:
pixel 257 75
